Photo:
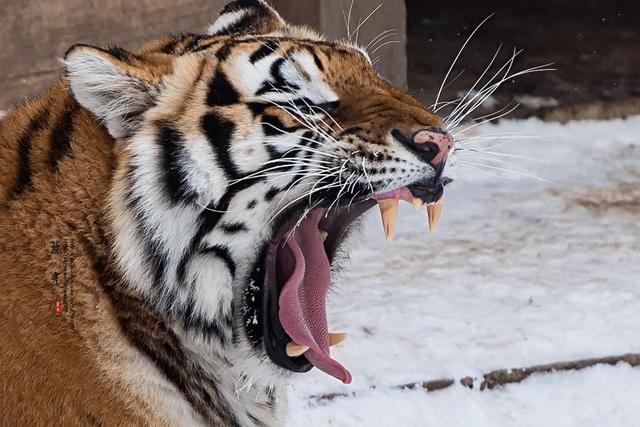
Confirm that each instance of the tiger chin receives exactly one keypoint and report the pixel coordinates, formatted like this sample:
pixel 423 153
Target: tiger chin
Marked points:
pixel 170 220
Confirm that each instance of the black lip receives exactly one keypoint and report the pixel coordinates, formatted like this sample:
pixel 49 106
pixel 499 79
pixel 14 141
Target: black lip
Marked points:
pixel 428 191
pixel 274 336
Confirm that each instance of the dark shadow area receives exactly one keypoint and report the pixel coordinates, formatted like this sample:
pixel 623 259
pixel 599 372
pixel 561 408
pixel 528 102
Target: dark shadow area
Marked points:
pixel 594 45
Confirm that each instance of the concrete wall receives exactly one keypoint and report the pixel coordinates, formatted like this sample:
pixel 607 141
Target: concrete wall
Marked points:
pixel 34 33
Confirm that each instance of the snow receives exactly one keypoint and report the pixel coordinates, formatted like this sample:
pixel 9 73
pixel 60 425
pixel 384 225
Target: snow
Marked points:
pixel 522 271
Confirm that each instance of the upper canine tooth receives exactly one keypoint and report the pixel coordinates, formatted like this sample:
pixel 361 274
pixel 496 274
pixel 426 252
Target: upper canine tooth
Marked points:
pixel 417 202
pixel 389 212
pixel 336 338
pixel 295 350
pixel 324 235
pixel 434 211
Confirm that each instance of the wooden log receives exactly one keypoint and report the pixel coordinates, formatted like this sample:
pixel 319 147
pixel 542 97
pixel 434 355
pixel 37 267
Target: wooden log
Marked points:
pixel 498 377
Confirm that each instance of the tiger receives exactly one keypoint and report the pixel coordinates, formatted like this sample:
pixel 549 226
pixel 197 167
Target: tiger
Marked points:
pixel 172 219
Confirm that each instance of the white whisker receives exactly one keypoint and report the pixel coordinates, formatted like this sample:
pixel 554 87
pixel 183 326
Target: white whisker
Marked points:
pixel 357 30
pixel 517 172
pixel 458 56
pixel 383 45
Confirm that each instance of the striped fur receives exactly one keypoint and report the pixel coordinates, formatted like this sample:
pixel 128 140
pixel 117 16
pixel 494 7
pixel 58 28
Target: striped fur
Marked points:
pixel 163 175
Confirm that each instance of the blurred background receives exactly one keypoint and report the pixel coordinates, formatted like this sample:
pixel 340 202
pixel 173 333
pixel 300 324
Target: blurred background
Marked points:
pixel 592 43
pixel 537 258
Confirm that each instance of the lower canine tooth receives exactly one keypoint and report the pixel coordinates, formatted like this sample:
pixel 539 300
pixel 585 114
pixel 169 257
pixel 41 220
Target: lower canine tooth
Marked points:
pixel 417 202
pixel 324 235
pixel 336 338
pixel 433 212
pixel 389 212
pixel 295 350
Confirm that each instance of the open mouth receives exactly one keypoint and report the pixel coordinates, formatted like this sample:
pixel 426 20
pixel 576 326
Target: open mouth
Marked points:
pixel 285 305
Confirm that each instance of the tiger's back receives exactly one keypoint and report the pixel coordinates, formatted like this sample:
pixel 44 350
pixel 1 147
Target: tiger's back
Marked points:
pixel 56 164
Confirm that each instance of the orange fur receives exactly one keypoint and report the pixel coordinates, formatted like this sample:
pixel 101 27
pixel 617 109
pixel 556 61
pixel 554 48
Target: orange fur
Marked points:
pixel 65 320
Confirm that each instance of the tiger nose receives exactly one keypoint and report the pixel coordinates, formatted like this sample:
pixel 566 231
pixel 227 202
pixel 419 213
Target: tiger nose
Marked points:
pixel 433 145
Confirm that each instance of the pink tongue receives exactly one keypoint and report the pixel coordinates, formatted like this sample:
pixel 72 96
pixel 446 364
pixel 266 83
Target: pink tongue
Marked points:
pixel 302 300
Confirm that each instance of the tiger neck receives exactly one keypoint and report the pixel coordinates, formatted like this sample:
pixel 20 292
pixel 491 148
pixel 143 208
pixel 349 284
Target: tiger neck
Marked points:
pixel 185 252
pixel 219 400
pixel 186 261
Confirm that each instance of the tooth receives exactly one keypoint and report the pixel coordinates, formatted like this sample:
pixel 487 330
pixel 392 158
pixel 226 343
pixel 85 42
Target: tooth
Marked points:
pixel 389 212
pixel 295 350
pixel 336 338
pixel 417 202
pixel 433 212
pixel 324 235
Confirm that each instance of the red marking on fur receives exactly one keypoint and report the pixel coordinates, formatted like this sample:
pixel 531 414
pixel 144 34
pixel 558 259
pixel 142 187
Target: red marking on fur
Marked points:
pixel 58 307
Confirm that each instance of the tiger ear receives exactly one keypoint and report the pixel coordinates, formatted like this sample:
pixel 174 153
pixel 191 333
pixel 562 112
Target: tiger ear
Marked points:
pixel 247 17
pixel 115 85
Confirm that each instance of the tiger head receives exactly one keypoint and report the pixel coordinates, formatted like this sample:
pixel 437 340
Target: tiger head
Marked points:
pixel 244 157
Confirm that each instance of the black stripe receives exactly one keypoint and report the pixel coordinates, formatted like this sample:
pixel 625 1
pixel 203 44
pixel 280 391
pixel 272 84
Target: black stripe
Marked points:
pixel 205 46
pixel 61 137
pixel 159 343
pixel 207 221
pixel 257 108
pixel 271 194
pixel 221 91
pixel 239 26
pixel 237 5
pixel 167 353
pixel 219 133
pixel 207 328
pixel 153 252
pixel 23 175
pixel 265 50
pixel 309 139
pixel 119 53
pixel 279 82
pixel 224 254
pixel 276 72
pixel 175 180
pixel 234 227
pixel 171 45
pixel 225 51
pixel 193 43
pixel 317 60
pixel 272 126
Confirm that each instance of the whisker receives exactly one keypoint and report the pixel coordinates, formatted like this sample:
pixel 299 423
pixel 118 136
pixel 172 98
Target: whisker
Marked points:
pixel 517 172
pixel 383 45
pixel 329 186
pixel 500 154
pixel 492 118
pixel 462 110
pixel 387 33
pixel 488 91
pixel 357 30
pixel 498 157
pixel 458 56
pixel 495 55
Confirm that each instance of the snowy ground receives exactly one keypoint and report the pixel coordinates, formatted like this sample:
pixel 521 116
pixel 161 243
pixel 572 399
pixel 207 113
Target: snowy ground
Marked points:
pixel 521 272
